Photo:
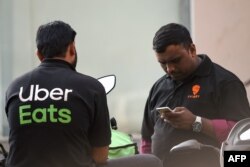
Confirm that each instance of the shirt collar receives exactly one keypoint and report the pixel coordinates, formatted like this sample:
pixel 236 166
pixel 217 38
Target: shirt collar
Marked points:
pixel 56 63
pixel 202 70
pixel 205 66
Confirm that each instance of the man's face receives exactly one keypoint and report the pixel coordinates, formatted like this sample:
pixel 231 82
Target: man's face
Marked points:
pixel 178 61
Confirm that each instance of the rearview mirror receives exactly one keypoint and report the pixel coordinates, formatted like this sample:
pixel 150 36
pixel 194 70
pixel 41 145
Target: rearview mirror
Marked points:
pixel 108 82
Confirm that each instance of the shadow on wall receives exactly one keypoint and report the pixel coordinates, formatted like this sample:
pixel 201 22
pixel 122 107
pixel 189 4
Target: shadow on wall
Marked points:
pixel 128 108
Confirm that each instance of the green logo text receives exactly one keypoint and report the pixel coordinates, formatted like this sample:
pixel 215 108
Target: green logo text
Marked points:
pixel 28 115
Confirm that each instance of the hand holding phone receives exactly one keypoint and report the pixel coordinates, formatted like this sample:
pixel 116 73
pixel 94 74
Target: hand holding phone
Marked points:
pixel 163 111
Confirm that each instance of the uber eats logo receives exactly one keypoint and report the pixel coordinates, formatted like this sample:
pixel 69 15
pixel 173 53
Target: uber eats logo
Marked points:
pixel 28 114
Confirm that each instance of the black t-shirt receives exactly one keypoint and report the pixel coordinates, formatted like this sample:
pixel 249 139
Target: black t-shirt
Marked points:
pixel 211 92
pixel 56 115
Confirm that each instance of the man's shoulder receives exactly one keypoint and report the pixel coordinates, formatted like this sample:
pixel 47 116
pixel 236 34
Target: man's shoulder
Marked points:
pixel 162 83
pixel 161 80
pixel 16 82
pixel 224 74
pixel 80 77
pixel 87 81
pixel 22 78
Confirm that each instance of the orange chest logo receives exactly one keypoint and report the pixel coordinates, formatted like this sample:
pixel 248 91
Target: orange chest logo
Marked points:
pixel 195 89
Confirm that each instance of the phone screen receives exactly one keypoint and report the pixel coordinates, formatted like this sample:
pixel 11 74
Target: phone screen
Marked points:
pixel 162 110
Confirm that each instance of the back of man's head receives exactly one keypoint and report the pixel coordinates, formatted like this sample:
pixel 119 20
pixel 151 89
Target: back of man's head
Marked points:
pixel 52 39
pixel 171 34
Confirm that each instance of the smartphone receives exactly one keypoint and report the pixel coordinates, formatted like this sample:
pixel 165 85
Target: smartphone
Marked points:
pixel 162 110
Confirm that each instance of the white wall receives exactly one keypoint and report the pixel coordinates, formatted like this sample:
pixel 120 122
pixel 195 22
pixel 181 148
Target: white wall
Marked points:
pixel 6 53
pixel 114 37
pixel 221 29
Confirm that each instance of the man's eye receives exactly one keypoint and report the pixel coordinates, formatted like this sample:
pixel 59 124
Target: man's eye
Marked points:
pixel 175 60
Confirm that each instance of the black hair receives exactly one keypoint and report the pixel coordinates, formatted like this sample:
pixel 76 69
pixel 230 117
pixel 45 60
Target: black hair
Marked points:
pixel 52 39
pixel 171 34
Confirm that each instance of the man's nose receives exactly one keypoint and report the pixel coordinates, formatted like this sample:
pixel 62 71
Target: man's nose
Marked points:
pixel 170 68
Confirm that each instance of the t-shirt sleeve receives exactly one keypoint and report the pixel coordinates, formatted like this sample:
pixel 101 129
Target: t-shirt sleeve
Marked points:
pixel 222 128
pixel 100 133
pixel 234 104
pixel 145 147
pixel 147 129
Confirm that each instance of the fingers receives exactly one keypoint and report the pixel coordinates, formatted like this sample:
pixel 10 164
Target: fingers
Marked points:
pixel 179 109
pixel 171 121
pixel 179 118
pixel 170 117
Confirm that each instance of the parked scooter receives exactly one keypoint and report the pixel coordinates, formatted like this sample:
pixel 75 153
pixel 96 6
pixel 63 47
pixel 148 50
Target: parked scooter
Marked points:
pixel 108 82
pixel 192 153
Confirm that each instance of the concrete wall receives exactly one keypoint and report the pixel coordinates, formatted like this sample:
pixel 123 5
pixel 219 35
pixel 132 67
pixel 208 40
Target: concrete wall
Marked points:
pixel 113 37
pixel 221 30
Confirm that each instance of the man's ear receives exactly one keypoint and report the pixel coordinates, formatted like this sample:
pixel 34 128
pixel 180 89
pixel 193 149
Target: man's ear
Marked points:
pixel 192 49
pixel 72 49
pixel 39 55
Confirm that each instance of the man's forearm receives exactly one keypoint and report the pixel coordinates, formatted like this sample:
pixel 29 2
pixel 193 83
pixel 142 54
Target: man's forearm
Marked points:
pixel 100 155
pixel 217 129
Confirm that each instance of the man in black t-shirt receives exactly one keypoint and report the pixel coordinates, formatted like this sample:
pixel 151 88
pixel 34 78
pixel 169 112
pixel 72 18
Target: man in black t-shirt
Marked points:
pixel 206 99
pixel 57 116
